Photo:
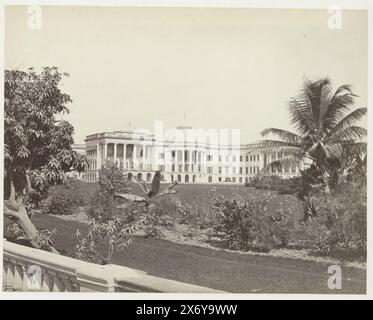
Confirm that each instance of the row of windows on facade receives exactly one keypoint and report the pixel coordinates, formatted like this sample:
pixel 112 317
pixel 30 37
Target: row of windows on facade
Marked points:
pixel 251 158
pixel 210 170
pixel 241 170
pixel 209 179
pixel 198 168
pixel 210 157
pixel 89 177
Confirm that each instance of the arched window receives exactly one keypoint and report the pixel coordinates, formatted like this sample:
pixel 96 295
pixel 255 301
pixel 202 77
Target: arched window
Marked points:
pixel 139 176
pixel 178 178
pixel 210 179
pixel 186 178
pixel 194 178
pixel 148 176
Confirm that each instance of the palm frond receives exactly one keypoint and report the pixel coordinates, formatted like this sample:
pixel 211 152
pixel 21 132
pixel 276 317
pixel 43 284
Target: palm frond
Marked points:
pixel 301 115
pixel 284 135
pixel 341 101
pixel 325 100
pixel 349 120
pixel 290 160
pixel 347 134
pixel 354 149
pixel 322 152
pixel 333 151
pixel 317 95
pixel 278 146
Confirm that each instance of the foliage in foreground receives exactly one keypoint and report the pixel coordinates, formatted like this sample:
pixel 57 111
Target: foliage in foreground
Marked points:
pixel 37 146
pixel 247 225
pixel 66 198
pixel 114 220
pixel 336 226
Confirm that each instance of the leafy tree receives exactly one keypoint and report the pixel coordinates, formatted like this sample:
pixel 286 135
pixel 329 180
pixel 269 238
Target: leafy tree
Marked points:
pixel 327 134
pixel 37 145
pixel 104 204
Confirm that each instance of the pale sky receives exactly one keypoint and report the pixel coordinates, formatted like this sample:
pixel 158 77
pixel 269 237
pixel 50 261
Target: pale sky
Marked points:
pixel 223 68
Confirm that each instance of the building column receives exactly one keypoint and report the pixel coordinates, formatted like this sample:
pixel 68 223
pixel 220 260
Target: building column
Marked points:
pixel 203 162
pixel 115 152
pixel 105 152
pixel 134 156
pixel 175 162
pixel 124 156
pixel 98 160
pixel 183 160
pixel 98 156
pixel 143 155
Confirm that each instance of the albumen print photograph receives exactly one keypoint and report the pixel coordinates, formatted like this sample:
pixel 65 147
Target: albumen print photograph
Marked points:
pixel 185 150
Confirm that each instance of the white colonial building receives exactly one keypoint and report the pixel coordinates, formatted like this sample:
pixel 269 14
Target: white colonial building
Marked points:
pixel 178 158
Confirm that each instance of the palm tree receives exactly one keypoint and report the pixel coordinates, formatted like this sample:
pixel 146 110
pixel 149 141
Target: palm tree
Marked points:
pixel 326 131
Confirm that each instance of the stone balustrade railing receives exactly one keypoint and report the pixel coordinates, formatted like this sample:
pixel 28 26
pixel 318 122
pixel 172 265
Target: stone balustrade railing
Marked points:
pixel 29 269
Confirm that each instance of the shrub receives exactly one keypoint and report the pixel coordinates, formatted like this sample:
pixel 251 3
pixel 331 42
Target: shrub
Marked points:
pixel 245 225
pixel 59 202
pixel 345 213
pixel 312 236
pixel 202 212
pixel 103 204
pixel 336 226
pixel 166 210
pixel 281 227
pixel 339 225
pixel 114 221
pixel 106 237
pixel 162 213
pixel 64 199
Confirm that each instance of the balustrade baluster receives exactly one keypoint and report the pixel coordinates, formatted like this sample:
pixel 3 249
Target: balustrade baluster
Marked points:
pixel 76 287
pixel 9 277
pixel 47 284
pixel 18 277
pixel 57 283
pixel 25 279
pixel 68 285
pixel 5 268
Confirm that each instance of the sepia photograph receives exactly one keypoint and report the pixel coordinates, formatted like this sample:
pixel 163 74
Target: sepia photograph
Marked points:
pixel 204 150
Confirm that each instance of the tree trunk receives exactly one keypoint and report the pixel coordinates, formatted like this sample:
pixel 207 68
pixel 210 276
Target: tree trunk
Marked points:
pixel 25 223
pixel 15 210
pixel 336 179
pixel 20 216
pixel 326 182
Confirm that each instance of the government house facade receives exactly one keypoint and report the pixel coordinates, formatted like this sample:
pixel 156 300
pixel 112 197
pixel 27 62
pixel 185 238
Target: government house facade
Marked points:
pixel 139 154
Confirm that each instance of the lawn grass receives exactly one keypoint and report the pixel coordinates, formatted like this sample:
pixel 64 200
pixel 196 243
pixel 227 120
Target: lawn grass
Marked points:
pixel 229 271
